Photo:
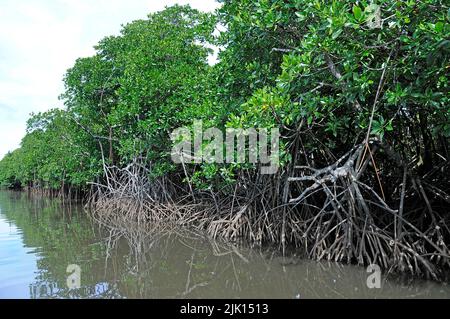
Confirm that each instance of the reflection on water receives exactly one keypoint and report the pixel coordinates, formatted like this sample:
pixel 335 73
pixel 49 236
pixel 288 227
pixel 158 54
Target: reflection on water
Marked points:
pixel 39 239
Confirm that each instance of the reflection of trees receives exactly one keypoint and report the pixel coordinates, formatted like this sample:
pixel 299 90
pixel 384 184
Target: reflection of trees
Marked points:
pixel 166 262
pixel 60 235
pixel 162 261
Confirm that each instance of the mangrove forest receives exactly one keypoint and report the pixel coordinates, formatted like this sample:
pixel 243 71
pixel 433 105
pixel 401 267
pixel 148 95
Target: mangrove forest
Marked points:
pixel 352 98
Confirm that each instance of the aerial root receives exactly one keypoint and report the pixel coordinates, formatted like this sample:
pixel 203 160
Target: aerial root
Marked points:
pixel 331 214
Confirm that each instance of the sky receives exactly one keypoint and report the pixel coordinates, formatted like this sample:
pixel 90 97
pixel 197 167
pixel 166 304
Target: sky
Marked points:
pixel 41 39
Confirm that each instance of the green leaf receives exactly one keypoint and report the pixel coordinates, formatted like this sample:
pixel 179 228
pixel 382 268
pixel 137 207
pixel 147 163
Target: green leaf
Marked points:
pixel 337 33
pixel 389 127
pixel 357 12
pixel 300 16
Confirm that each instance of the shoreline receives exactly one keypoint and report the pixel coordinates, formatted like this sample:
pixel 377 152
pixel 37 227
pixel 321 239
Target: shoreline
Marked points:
pixel 291 255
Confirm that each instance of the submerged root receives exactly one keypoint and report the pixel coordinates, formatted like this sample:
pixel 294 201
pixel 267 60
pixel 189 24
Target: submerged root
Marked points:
pixel 355 224
pixel 331 214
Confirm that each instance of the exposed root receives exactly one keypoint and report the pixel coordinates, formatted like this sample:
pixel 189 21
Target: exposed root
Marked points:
pixel 331 213
pixel 354 223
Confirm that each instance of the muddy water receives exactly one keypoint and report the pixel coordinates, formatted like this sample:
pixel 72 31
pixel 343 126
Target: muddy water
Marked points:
pixel 39 239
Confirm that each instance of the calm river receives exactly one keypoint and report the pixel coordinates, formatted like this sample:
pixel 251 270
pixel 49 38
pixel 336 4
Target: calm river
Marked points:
pixel 39 239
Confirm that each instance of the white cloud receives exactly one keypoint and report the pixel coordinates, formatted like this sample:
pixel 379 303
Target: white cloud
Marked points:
pixel 41 39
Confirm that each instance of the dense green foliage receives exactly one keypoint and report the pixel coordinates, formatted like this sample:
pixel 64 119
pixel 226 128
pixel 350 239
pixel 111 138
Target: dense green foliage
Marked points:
pixel 325 72
pixel 358 89
pixel 123 100
pixel 336 70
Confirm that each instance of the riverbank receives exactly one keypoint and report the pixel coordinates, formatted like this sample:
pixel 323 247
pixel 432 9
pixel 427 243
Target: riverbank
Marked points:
pixel 40 237
pixel 130 198
pixel 411 243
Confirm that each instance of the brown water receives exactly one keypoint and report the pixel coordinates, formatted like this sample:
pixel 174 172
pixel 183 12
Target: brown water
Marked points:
pixel 39 239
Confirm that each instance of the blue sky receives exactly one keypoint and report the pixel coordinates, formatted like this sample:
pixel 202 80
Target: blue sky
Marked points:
pixel 41 39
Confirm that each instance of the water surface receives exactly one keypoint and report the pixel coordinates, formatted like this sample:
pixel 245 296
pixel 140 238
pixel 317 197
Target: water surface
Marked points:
pixel 40 238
